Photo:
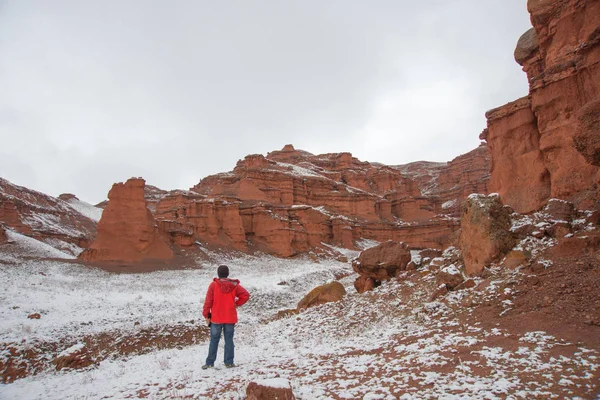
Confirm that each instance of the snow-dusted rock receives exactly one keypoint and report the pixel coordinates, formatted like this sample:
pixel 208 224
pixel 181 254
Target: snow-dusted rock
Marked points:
pixel 270 389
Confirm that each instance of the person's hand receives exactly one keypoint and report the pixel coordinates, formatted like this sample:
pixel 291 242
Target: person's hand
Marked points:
pixel 207 320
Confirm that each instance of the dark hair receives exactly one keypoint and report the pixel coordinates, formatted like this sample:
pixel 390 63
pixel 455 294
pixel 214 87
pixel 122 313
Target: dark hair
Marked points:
pixel 223 271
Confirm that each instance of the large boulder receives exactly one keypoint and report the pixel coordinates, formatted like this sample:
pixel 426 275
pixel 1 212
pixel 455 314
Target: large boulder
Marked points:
pixel 270 389
pixel 329 292
pixel 384 261
pixel 485 232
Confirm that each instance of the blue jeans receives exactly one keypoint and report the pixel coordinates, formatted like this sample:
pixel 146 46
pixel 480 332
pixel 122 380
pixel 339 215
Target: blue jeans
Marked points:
pixel 215 336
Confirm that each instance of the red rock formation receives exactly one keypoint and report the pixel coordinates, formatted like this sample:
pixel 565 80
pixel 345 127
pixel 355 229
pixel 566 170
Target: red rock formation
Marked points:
pixel 292 201
pixel 127 231
pixel 44 217
pixel 561 56
pixel 485 232
pixel 3 237
pixel 518 171
pixel 445 186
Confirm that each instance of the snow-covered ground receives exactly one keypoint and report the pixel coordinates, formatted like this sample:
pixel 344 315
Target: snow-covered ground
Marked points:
pixel 92 212
pixel 387 344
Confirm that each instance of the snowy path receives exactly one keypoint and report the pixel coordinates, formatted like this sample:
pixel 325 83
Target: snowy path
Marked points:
pixel 383 345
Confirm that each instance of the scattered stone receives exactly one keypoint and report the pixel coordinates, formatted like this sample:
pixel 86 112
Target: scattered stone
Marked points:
pixel 34 316
pixel 430 253
pixel 559 229
pixel 437 262
pixel 538 267
pixel 532 280
pixel 525 230
pixel 468 284
pixel 442 290
pixel 594 218
pixel 270 389
pixel 449 276
pixel 286 313
pixel 515 259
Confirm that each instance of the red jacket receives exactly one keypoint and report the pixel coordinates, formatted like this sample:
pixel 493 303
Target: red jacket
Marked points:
pixel 222 298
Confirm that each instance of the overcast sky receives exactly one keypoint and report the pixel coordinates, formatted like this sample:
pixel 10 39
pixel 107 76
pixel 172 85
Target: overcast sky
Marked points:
pixel 95 92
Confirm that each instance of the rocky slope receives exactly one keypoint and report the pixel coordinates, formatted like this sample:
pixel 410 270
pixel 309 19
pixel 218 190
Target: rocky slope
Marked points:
pixel 64 223
pixel 550 137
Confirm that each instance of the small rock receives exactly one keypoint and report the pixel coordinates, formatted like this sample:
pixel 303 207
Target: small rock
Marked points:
pixel 532 280
pixel 515 259
pixel 34 316
pixel 468 284
pixel 559 230
pixel 449 276
pixel 538 234
pixel 364 284
pixel 270 389
pixel 538 267
pixel 486 273
pixel 442 290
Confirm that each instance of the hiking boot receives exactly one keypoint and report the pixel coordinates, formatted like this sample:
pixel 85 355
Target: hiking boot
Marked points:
pixel 207 366
pixel 230 365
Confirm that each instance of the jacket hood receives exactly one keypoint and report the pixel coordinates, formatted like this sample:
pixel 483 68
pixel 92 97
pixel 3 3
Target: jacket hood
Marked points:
pixel 226 285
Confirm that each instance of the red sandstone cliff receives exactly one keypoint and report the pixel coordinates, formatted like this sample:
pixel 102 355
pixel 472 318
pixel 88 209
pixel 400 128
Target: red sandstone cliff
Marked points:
pixel 127 231
pixel 447 185
pixel 546 145
pixel 292 201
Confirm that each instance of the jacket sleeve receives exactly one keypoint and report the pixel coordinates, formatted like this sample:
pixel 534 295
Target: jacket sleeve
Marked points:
pixel 242 295
pixel 208 301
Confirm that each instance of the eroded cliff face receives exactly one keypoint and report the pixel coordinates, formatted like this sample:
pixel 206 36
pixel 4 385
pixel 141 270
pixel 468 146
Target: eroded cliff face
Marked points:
pixel 127 231
pixel 445 186
pixel 292 201
pixel 46 218
pixel 551 137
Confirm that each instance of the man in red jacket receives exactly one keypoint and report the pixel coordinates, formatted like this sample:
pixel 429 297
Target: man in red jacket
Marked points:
pixel 224 295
